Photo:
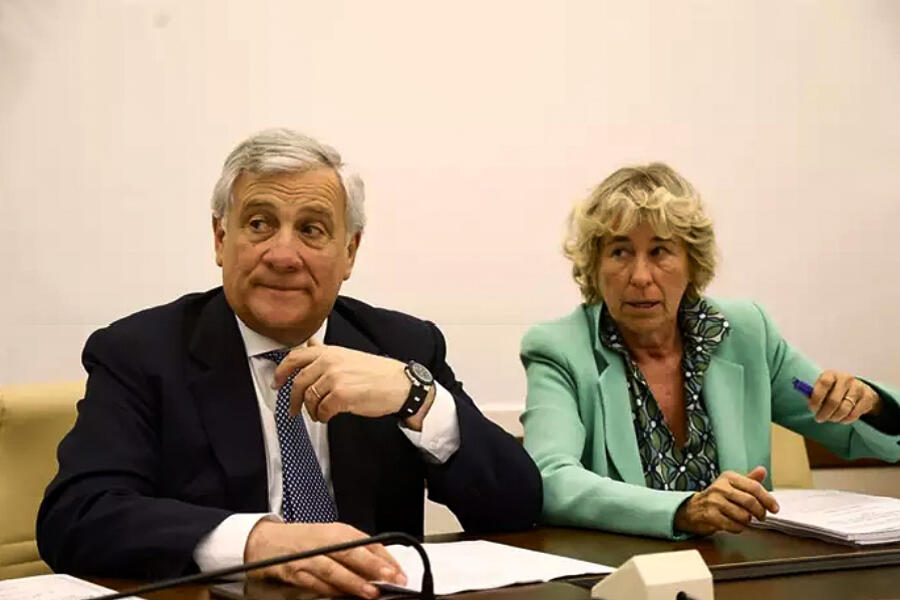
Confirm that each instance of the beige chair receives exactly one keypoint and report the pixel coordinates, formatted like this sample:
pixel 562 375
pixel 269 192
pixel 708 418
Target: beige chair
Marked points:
pixel 790 463
pixel 33 419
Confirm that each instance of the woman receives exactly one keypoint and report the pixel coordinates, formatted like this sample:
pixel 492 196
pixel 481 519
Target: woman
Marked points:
pixel 649 406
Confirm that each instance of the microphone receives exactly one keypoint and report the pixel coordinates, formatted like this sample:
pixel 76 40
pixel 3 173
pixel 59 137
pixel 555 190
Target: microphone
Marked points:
pixel 395 537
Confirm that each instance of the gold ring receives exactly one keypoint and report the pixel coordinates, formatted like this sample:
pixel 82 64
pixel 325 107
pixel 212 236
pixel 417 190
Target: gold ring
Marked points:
pixel 850 400
pixel 316 392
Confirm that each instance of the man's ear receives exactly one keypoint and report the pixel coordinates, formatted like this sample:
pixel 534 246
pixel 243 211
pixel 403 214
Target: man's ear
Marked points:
pixel 351 249
pixel 218 226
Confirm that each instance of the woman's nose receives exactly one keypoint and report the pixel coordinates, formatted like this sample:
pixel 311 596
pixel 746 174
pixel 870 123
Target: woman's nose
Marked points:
pixel 640 274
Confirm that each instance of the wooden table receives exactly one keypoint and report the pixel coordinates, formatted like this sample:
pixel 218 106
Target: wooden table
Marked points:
pixel 753 553
pixel 862 584
pixel 543 591
pixel 755 565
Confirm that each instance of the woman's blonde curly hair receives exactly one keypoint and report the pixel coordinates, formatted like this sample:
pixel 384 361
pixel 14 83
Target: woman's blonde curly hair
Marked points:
pixel 654 194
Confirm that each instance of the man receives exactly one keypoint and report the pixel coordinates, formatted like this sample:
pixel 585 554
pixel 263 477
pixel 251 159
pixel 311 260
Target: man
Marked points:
pixel 189 452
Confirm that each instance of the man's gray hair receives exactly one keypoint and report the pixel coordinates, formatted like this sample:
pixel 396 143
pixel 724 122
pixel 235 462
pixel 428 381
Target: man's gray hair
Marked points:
pixel 285 150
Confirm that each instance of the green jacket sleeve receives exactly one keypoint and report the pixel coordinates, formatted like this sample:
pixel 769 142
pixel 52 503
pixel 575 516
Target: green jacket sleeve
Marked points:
pixel 789 408
pixel 555 436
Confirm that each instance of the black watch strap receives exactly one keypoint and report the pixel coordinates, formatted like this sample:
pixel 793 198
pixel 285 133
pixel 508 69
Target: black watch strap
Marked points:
pixel 421 383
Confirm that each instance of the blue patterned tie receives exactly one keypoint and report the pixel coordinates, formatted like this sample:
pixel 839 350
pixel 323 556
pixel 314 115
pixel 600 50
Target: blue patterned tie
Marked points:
pixel 305 497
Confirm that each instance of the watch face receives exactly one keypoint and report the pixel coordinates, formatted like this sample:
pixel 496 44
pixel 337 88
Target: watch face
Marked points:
pixel 421 373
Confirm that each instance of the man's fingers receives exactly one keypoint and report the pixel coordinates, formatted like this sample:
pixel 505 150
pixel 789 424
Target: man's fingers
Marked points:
pixel 311 400
pixel 333 573
pixel 308 375
pixel 347 572
pixel 368 564
pixel 309 581
pixel 329 407
pixel 383 553
pixel 313 396
pixel 320 403
pixel 298 358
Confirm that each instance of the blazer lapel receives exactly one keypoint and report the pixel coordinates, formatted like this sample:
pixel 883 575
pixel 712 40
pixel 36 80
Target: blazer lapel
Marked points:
pixel 621 441
pixel 220 381
pixel 723 394
pixel 354 470
pixel 618 426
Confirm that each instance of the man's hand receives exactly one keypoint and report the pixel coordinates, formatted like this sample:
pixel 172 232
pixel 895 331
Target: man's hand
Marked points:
pixel 334 380
pixel 346 572
pixel 727 504
pixel 842 398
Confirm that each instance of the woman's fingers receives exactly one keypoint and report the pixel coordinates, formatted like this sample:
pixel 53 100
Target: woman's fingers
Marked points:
pixel 757 491
pixel 728 504
pixel 725 515
pixel 834 397
pixel 748 502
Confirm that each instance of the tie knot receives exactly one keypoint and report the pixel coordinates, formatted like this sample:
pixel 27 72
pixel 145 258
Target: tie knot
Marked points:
pixel 275 356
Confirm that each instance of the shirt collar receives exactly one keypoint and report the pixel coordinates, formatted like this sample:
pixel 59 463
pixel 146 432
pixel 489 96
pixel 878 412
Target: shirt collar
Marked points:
pixel 698 320
pixel 256 343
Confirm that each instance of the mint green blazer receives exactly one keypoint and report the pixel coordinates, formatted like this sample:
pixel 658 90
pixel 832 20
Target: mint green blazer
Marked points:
pixel 579 430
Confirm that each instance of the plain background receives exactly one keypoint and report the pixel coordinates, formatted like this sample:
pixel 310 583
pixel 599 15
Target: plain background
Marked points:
pixel 476 125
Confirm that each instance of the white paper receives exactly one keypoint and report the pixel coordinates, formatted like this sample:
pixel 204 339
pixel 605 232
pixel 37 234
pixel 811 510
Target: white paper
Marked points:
pixel 836 516
pixel 479 565
pixel 51 587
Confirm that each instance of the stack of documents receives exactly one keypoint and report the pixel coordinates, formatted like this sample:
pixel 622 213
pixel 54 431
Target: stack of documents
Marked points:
pixel 835 516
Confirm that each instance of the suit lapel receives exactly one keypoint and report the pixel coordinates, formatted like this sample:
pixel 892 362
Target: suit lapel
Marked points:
pixel 351 443
pixel 618 427
pixel 621 441
pixel 220 381
pixel 723 394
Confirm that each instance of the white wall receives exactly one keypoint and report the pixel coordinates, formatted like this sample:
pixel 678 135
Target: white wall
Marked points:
pixel 475 124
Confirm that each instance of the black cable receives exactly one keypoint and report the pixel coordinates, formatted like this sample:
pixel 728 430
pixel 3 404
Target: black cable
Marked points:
pixel 395 537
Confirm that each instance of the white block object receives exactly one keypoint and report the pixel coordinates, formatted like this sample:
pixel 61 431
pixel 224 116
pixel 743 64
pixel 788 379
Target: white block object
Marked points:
pixel 658 577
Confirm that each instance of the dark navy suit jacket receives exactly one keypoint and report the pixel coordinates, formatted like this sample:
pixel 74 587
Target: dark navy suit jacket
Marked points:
pixel 168 443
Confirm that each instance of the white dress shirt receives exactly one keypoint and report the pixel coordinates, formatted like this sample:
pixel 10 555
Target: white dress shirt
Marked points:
pixel 224 545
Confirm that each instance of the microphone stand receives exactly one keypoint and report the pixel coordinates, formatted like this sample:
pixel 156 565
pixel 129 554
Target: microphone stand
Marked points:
pixel 395 537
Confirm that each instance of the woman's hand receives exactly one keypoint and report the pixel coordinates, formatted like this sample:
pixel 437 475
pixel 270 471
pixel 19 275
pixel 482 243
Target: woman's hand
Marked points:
pixel 727 504
pixel 842 398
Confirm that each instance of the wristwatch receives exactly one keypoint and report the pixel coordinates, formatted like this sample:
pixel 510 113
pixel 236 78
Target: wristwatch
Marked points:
pixel 421 382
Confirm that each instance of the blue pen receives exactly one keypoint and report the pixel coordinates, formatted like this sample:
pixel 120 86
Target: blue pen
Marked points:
pixel 802 387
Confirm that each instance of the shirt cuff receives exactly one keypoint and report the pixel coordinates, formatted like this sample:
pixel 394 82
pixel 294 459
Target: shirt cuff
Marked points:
pixel 224 546
pixel 439 438
pixel 888 422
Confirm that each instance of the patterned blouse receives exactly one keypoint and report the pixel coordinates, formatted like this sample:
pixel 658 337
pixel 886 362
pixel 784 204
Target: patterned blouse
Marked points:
pixel 666 465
